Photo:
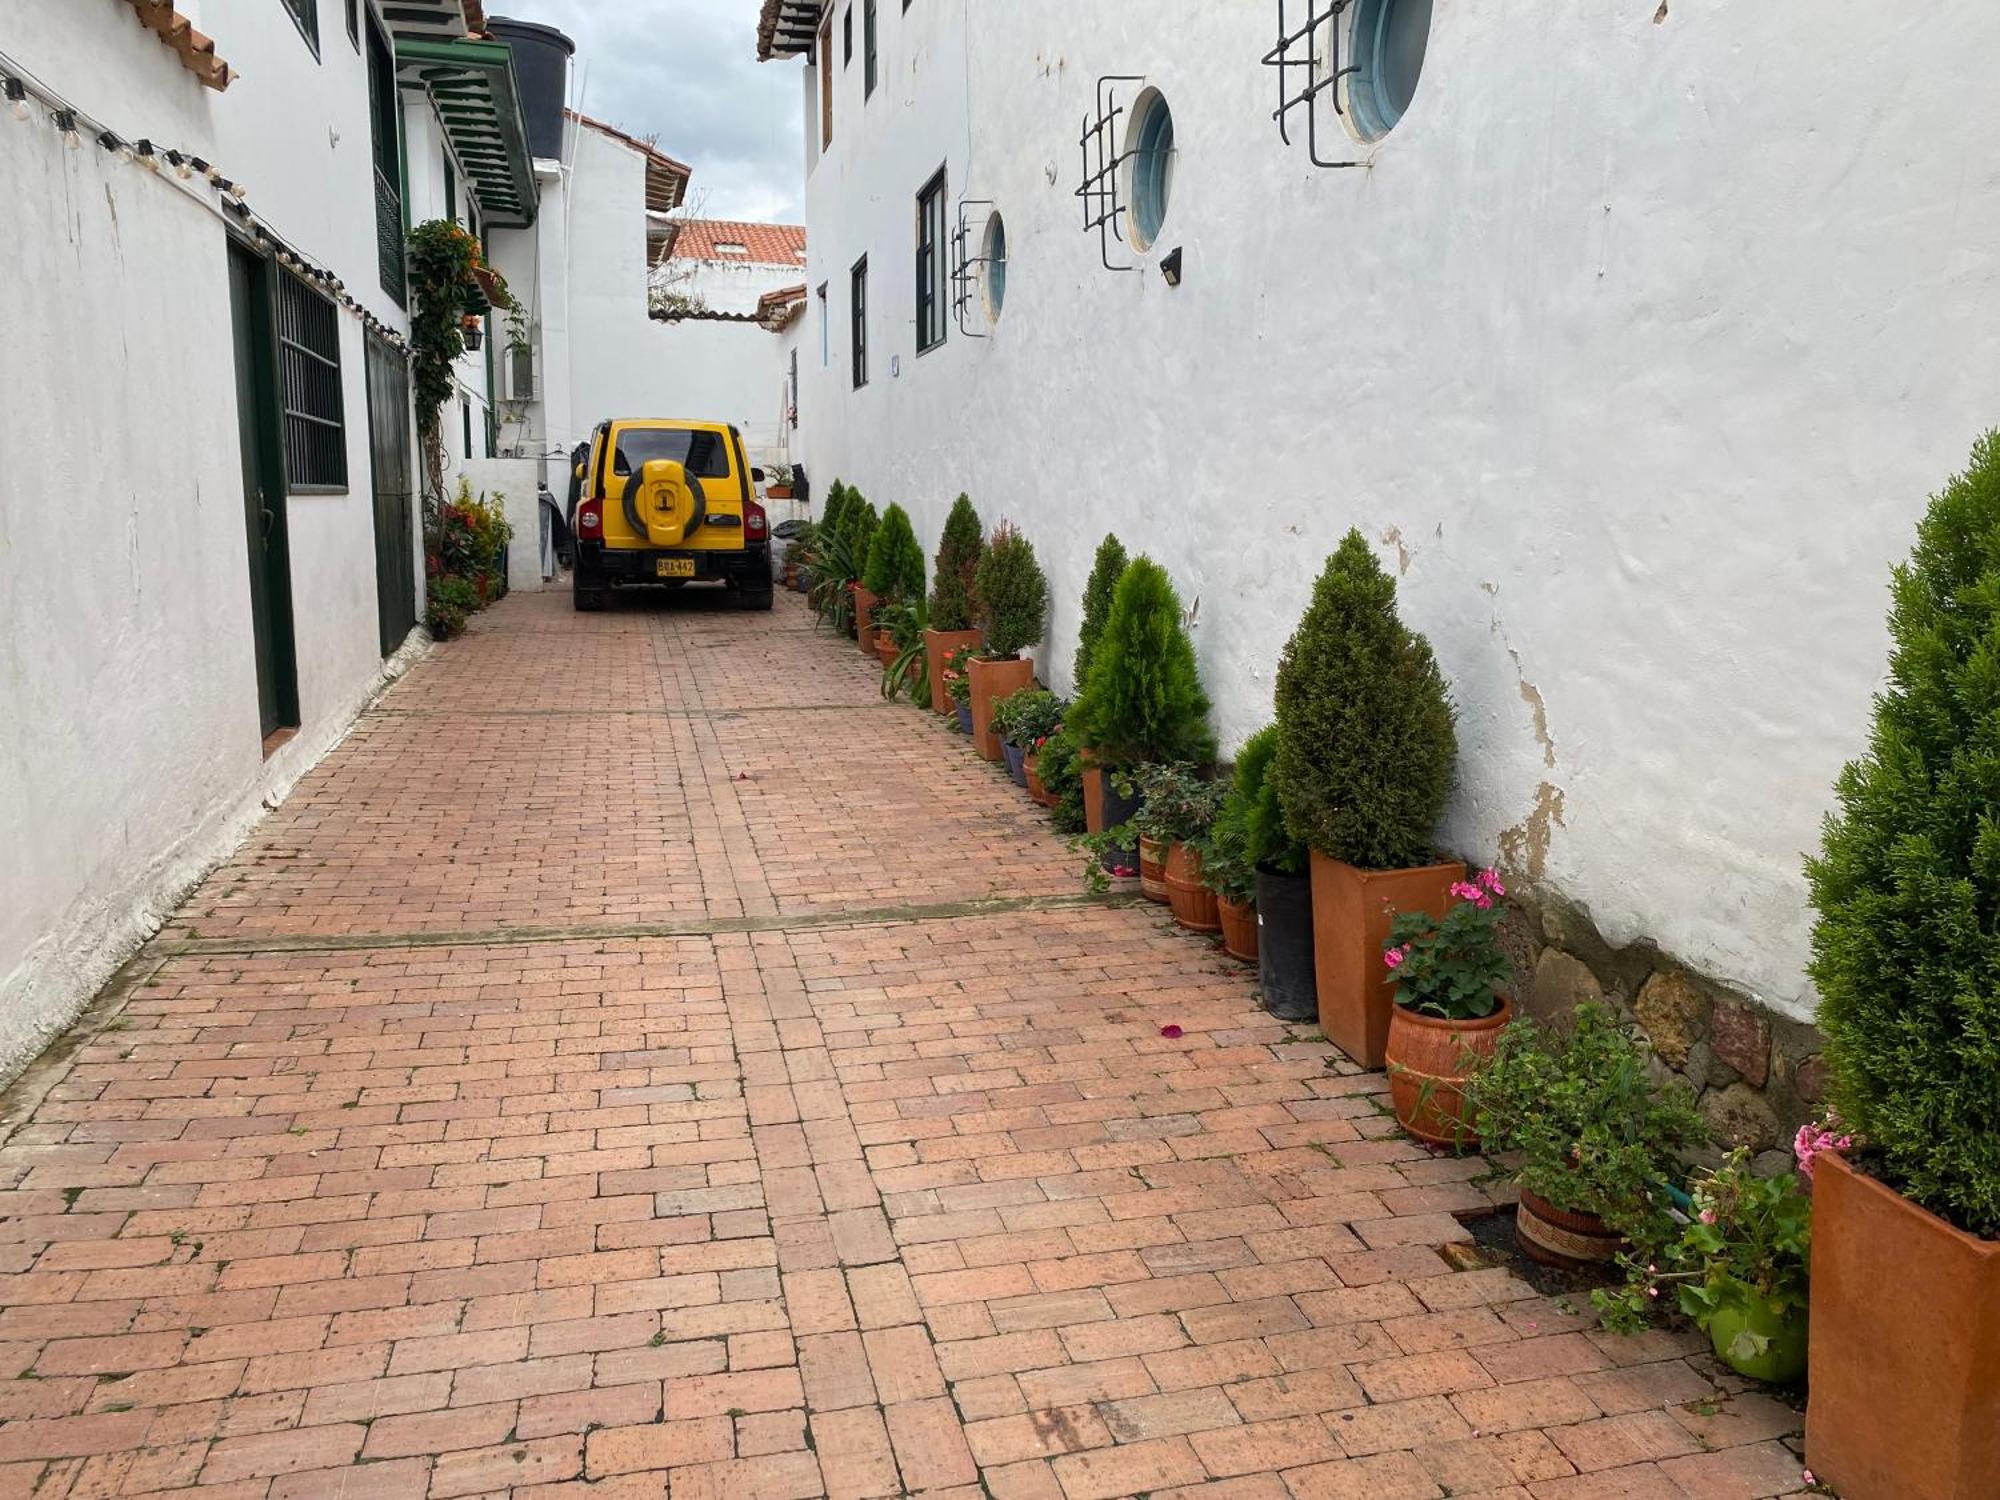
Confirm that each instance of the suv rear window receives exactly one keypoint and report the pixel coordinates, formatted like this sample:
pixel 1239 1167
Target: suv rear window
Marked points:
pixel 703 454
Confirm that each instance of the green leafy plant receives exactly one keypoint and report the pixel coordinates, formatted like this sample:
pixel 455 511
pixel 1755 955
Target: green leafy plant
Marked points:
pixel 1452 966
pixel 1013 595
pixel 952 589
pixel 465 557
pixel 1594 1135
pixel 909 671
pixel 1906 951
pixel 449 600
pixel 1226 866
pixel 857 529
pixel 446 269
pixel 1058 765
pixel 1144 700
pixel 957 680
pixel 1266 841
pixel 1176 802
pixel 1027 717
pixel 1747 1242
pixel 895 567
pixel 1105 571
pixel 833 569
pixel 1365 740
pixel 834 509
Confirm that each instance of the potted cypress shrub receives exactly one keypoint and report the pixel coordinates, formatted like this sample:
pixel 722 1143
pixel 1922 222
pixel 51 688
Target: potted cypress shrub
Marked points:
pixel 1282 886
pixel 1364 765
pixel 1014 601
pixel 1143 702
pixel 1450 1005
pixel 857 529
pixel 1105 571
pixel 952 594
pixel 1598 1143
pixel 1905 1355
pixel 894 572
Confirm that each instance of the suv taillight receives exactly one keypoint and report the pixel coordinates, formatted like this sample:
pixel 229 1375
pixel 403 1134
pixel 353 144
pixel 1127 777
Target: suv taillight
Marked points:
pixel 753 521
pixel 590 521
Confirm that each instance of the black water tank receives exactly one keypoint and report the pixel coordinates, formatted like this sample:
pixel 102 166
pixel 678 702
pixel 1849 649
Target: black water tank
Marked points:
pixel 541 63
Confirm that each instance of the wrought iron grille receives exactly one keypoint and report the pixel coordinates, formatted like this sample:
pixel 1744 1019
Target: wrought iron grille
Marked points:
pixel 962 263
pixel 1103 208
pixel 389 236
pixel 1298 51
pixel 309 386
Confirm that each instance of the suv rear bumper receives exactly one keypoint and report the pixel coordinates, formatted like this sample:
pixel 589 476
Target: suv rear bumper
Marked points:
pixel 598 565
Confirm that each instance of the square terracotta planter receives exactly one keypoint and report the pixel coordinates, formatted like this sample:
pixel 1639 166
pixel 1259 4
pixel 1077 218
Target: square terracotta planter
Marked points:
pixel 992 681
pixel 1352 912
pixel 1904 1363
pixel 864 619
pixel 938 645
pixel 1092 776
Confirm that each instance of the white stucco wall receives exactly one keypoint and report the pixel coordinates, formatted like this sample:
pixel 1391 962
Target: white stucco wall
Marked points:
pixel 731 286
pixel 1635 349
pixel 130 748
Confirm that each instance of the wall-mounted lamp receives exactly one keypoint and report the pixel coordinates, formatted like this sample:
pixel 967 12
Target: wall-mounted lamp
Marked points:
pixel 1170 266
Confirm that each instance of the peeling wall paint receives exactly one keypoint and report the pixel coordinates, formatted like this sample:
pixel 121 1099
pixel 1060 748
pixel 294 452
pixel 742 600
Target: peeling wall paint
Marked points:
pixel 1664 346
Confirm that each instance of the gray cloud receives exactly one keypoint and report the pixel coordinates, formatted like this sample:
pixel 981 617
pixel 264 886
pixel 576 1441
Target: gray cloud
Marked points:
pixel 686 72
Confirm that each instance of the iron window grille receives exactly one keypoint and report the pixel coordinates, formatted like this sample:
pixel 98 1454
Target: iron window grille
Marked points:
pixel 309 387
pixel 965 266
pixel 1103 166
pixel 857 332
pixel 1296 51
pixel 932 271
pixel 384 121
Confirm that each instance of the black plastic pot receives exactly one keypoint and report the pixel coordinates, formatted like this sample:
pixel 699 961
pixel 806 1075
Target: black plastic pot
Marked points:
pixel 1119 808
pixel 1285 945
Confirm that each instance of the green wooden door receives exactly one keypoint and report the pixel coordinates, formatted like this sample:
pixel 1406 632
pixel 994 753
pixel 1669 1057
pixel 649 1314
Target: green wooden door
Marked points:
pixel 263 491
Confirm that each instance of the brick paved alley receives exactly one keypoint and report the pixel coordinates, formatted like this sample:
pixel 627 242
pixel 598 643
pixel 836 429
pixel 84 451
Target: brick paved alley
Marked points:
pixel 593 1081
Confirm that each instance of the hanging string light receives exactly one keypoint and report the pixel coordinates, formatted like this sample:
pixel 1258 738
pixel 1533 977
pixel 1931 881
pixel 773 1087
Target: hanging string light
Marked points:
pixel 17 96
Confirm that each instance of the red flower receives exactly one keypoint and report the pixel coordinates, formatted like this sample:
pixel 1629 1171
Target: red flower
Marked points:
pixel 1170 1032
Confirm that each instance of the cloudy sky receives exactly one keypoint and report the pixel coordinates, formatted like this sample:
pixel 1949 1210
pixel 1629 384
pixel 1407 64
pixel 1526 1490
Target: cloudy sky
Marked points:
pixel 686 71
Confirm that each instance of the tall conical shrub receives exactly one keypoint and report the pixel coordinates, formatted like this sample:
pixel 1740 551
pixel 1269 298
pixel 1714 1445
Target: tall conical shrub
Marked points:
pixel 834 509
pixel 1906 952
pixel 1013 594
pixel 895 558
pixel 959 549
pixel 1105 572
pixel 1144 701
pixel 1365 741
pixel 857 529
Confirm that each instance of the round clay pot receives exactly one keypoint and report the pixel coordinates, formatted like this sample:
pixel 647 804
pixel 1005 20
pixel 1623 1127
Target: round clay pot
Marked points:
pixel 1563 1237
pixel 1035 788
pixel 1153 870
pixel 1239 928
pixel 886 648
pixel 1193 902
pixel 1429 1060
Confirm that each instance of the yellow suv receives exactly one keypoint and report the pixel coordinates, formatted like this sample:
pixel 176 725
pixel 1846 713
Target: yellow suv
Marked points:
pixel 669 503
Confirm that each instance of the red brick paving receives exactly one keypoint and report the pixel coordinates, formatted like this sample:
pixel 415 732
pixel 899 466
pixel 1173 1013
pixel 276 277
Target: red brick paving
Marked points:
pixel 916 1203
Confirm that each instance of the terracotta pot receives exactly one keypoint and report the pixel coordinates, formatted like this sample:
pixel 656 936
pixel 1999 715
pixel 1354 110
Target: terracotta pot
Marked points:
pixel 1561 1237
pixel 1285 968
pixel 791 574
pixel 778 492
pixel 1194 903
pixel 1905 1354
pixel 864 619
pixel 992 681
pixel 1153 870
pixel 939 644
pixel 1035 788
pixel 1352 911
pixel 1239 928
pixel 886 648
pixel 1092 776
pixel 1429 1060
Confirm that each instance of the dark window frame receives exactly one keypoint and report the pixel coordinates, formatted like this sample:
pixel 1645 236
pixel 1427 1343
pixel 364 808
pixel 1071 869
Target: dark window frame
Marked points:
pixel 354 22
pixel 932 271
pixel 857 322
pixel 385 120
pixel 450 184
pixel 311 401
pixel 305 16
pixel 868 69
pixel 847 36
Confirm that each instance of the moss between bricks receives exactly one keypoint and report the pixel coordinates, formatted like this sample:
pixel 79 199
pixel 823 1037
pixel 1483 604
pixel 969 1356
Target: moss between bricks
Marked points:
pixel 1757 1075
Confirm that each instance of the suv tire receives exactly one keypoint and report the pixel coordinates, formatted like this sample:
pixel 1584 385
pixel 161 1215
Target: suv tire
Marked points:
pixel 588 600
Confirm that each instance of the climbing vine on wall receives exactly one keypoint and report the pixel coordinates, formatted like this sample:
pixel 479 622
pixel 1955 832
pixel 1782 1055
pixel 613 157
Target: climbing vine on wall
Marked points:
pixel 451 286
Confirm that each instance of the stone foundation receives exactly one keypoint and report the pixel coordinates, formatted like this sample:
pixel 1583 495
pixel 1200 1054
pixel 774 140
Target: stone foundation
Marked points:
pixel 1757 1076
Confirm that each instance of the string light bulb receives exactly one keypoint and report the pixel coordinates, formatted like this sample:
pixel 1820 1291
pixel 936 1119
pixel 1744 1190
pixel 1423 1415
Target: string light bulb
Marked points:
pixel 17 95
pixel 65 121
pixel 142 150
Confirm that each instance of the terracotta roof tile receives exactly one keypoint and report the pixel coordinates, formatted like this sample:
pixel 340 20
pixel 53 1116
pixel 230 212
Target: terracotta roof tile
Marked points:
pixel 737 240
pixel 196 51
pixel 666 179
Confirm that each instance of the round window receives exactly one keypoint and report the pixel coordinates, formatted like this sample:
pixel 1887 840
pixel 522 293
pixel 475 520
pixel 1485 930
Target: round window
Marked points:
pixel 1151 148
pixel 994 252
pixel 1386 51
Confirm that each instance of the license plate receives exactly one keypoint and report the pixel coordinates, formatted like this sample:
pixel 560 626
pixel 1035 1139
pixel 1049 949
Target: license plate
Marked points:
pixel 675 567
